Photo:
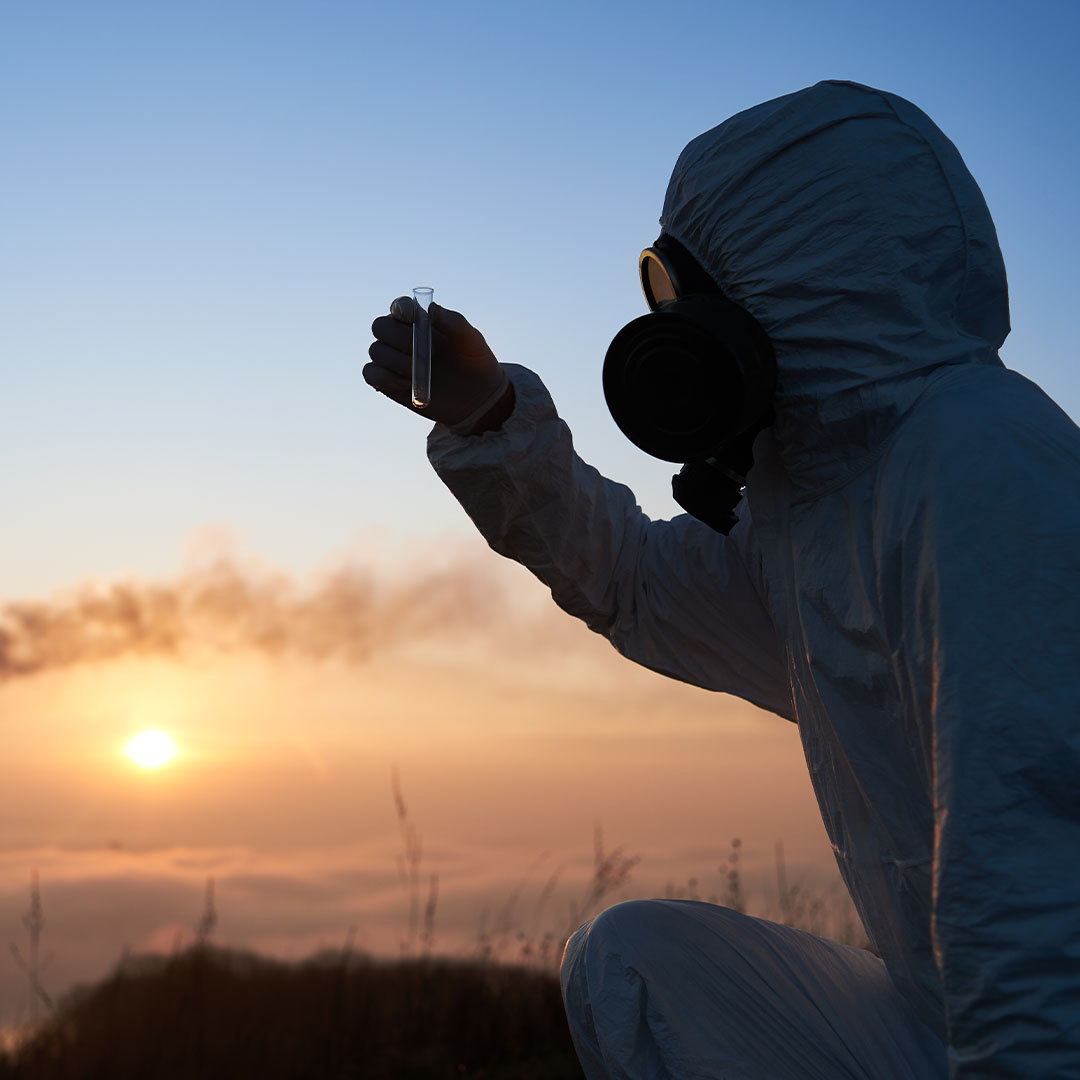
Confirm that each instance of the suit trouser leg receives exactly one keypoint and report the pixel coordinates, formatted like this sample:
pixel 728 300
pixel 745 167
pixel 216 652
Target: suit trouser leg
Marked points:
pixel 681 990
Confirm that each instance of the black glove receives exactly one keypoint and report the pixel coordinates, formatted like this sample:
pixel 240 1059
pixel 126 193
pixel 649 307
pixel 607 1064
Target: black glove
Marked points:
pixel 470 392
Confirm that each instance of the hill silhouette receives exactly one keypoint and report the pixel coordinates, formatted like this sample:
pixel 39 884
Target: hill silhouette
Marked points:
pixel 209 1012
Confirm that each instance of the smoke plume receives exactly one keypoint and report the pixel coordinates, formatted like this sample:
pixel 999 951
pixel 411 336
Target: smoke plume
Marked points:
pixel 346 616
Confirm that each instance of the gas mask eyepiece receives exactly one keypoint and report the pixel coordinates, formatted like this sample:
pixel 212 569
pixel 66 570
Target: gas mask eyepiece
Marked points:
pixel 692 382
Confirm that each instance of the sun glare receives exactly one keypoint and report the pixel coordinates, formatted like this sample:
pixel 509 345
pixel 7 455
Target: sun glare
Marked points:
pixel 150 749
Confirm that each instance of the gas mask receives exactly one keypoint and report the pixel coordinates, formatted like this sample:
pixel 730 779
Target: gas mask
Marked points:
pixel 692 381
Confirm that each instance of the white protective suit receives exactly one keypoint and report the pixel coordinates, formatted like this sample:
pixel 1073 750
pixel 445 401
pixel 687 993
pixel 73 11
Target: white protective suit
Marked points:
pixel 903 582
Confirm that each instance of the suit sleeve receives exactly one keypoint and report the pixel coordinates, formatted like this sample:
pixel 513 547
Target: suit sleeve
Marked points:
pixel 674 596
pixel 1000 589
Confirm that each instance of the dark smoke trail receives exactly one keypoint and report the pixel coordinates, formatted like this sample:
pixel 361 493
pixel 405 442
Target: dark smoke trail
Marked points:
pixel 347 617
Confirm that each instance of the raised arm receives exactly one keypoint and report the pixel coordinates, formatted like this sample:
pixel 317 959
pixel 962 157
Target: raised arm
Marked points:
pixel 674 596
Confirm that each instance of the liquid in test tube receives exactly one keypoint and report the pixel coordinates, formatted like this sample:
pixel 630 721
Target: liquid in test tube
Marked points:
pixel 421 348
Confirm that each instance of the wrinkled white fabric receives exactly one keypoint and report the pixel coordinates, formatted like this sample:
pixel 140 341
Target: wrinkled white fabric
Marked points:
pixel 904 579
pixel 749 999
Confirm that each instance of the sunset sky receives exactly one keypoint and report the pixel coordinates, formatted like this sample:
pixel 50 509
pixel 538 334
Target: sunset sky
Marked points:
pixel 205 206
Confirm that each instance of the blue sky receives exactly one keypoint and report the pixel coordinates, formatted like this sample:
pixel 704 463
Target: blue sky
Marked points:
pixel 206 204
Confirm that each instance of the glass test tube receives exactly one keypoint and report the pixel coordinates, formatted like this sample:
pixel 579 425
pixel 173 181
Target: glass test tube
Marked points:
pixel 421 348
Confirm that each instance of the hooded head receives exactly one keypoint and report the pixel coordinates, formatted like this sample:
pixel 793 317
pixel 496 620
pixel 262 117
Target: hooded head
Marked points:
pixel 849 226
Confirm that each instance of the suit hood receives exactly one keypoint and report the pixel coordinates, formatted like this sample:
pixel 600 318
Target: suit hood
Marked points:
pixel 844 220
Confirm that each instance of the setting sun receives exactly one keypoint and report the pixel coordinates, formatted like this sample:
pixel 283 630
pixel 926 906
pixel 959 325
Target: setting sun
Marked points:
pixel 150 749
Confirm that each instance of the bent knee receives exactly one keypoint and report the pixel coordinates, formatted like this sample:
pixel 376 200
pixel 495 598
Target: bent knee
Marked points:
pixel 617 919
pixel 638 931
pixel 635 930
pixel 629 920
pixel 589 939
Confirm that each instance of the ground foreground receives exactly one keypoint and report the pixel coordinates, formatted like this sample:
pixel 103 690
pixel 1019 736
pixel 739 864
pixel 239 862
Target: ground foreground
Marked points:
pixel 208 1013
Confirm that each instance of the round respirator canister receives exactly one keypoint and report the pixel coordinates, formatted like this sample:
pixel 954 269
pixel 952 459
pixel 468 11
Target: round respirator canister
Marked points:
pixel 673 388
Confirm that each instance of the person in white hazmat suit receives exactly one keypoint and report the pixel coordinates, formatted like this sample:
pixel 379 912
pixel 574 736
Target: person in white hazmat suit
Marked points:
pixel 902 582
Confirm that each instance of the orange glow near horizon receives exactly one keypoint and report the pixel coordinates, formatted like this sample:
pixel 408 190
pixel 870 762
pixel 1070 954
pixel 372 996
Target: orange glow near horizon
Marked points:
pixel 140 777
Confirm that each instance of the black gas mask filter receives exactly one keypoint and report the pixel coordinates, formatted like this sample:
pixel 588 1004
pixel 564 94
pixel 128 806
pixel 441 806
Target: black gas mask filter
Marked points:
pixel 692 381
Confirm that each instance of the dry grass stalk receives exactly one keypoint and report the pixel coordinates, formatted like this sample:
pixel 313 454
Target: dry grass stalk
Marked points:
pixel 31 965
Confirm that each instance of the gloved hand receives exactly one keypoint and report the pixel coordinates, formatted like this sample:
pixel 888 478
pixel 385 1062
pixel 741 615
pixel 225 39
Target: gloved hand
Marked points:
pixel 468 386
